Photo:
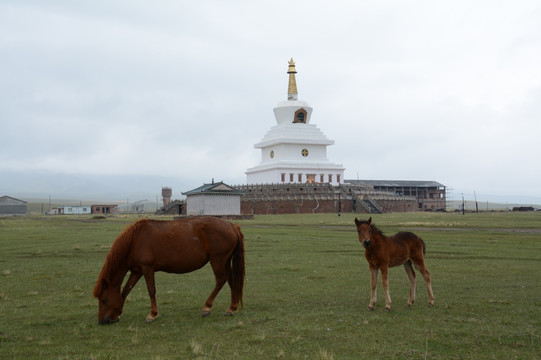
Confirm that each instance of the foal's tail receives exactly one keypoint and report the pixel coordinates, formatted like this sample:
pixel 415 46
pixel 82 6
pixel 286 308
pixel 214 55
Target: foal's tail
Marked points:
pixel 238 270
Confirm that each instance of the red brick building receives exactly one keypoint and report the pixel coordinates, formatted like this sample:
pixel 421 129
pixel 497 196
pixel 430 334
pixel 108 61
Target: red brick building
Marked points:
pixel 104 209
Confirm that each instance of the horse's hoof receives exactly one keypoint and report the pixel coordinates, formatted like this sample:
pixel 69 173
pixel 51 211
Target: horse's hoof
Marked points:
pixel 228 313
pixel 387 309
pixel 205 313
pixel 149 319
pixel 371 308
pixel 430 304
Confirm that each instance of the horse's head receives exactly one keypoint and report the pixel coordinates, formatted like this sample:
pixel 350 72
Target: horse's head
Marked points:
pixel 110 303
pixel 364 231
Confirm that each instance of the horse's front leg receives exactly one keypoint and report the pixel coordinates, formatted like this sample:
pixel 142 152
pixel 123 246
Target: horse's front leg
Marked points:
pixel 151 286
pixel 132 280
pixel 373 285
pixel 385 283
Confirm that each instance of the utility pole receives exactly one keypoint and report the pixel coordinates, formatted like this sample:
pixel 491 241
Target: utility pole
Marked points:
pixel 339 205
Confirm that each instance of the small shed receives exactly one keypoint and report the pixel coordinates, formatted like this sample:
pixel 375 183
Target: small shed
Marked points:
pixel 213 199
pixel 12 206
pixel 104 209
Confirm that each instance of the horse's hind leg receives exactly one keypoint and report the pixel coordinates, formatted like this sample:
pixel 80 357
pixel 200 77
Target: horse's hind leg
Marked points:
pixel 420 265
pixel 221 274
pixel 234 301
pixel 411 277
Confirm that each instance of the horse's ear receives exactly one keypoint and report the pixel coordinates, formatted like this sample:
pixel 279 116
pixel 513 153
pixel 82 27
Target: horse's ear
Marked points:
pixel 104 284
pixel 357 222
pixel 101 286
pixel 369 221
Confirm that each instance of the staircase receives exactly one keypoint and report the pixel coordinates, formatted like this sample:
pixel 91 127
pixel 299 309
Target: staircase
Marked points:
pixel 173 208
pixel 366 202
pixel 371 206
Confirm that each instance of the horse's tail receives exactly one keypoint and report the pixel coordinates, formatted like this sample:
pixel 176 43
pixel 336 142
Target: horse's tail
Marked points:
pixel 238 269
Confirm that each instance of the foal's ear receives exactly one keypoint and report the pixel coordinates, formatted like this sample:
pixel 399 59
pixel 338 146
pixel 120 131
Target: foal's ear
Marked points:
pixel 357 222
pixel 369 221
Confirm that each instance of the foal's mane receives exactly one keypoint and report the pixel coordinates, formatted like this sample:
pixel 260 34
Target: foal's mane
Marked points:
pixel 373 227
pixel 118 252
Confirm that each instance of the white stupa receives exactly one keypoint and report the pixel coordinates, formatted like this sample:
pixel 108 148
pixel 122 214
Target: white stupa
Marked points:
pixel 294 151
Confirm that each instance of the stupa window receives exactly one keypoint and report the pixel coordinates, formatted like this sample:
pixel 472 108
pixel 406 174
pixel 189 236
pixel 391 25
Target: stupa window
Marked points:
pixel 300 116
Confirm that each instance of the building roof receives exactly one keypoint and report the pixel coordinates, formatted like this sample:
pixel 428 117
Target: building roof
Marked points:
pixel 396 183
pixel 219 188
pixel 11 201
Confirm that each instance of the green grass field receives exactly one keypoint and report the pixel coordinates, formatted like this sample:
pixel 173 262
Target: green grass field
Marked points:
pixel 306 293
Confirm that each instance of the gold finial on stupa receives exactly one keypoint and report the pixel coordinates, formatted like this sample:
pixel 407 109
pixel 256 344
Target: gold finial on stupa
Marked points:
pixel 292 93
pixel 291 68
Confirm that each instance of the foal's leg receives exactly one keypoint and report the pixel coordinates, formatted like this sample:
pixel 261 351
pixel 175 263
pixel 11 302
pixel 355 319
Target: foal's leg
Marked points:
pixel 411 277
pixel 151 287
pixel 385 282
pixel 420 265
pixel 373 285
pixel 221 275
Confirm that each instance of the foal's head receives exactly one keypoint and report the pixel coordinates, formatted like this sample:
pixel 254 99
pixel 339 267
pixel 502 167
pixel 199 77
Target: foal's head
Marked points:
pixel 365 231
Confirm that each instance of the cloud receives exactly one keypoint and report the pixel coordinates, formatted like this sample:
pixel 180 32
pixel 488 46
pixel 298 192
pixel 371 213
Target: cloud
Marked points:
pixel 437 91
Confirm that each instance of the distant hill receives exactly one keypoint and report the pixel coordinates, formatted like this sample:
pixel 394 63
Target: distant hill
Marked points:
pixel 38 186
pixel 488 206
pixel 42 185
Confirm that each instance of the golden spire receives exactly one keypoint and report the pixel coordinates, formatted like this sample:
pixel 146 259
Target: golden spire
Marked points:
pixel 292 88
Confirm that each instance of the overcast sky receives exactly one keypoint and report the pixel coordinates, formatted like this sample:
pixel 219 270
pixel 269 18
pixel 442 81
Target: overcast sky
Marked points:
pixel 448 91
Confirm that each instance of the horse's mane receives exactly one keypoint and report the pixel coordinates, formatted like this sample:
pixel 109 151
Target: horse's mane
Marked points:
pixel 118 252
pixel 374 228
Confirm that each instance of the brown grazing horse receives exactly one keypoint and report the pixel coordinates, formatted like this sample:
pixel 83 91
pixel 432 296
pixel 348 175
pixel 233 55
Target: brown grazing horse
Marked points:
pixel 382 252
pixel 178 246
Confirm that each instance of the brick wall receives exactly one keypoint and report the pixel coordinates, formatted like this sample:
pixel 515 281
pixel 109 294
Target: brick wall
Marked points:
pixel 317 198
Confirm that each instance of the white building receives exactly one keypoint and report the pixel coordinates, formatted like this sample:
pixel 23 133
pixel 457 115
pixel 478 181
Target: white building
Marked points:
pixel 71 210
pixel 294 151
pixel 213 199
